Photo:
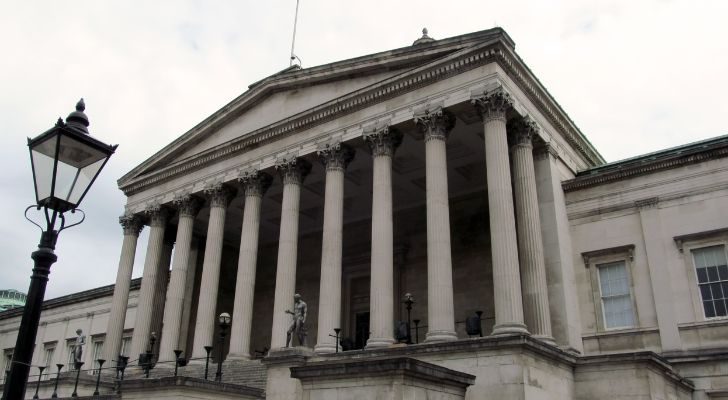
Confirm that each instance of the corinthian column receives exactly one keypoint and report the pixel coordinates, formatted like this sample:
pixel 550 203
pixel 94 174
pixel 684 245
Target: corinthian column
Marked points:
pixel 292 172
pixel 188 207
pixel 435 126
pixel 506 276
pixel 383 143
pixel 335 158
pixel 530 245
pixel 255 184
pixel 220 196
pixel 132 226
pixel 145 305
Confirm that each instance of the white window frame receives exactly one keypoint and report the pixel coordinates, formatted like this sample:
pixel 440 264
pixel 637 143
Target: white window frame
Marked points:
pixel 7 360
pixel 70 364
pixel 51 346
pixel 592 261
pixel 97 351
pixel 126 344
pixel 686 244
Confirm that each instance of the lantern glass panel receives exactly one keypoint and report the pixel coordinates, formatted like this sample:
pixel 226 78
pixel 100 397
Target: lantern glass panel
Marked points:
pixel 78 164
pixel 43 159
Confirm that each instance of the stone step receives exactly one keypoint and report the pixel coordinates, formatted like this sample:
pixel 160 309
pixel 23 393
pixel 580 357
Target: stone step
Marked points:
pixel 246 373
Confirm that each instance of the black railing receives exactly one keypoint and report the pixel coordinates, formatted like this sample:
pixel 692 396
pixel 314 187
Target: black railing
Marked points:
pixel 113 377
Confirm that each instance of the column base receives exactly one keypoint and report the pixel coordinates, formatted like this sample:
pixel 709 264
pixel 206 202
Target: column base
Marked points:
pixel 379 343
pixel 325 348
pixel 508 328
pixel 237 357
pixel 546 339
pixel 440 336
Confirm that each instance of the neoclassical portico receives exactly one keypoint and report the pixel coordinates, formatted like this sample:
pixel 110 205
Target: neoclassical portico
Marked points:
pixel 446 171
pixel 518 272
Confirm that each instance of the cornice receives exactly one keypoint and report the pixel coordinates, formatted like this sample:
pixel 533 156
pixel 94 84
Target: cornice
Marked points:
pixel 74 298
pixel 650 163
pixel 453 64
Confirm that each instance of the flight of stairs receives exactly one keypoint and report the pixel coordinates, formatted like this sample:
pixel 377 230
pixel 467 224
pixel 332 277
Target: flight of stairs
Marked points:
pixel 250 373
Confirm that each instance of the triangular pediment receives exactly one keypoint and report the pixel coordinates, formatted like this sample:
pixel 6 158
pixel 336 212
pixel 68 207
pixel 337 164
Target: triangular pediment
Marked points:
pixel 294 91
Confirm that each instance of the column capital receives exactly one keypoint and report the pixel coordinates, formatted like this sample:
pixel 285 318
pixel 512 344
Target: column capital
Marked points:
pixel 383 141
pixel 522 131
pixel 156 214
pixel 335 156
pixel 493 105
pixel 435 124
pixel 187 205
pixel 132 224
pixel 544 150
pixel 293 170
pixel 219 194
pixel 255 182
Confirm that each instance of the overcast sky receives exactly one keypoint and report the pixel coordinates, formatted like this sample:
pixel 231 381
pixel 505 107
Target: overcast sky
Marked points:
pixel 635 76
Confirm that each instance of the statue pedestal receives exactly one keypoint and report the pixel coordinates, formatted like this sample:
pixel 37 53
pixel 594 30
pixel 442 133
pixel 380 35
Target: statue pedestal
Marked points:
pixel 279 384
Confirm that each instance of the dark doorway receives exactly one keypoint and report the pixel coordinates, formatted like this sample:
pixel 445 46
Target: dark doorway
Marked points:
pixel 362 330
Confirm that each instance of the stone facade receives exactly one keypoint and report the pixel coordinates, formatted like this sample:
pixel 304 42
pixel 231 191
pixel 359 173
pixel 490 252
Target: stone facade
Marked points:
pixel 444 171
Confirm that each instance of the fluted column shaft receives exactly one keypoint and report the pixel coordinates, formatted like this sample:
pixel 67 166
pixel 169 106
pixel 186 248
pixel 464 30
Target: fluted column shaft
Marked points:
pixel 435 125
pixel 188 207
pixel 220 197
pixel 187 303
pixel 383 144
pixel 255 184
pixel 530 245
pixel 145 304
pixel 335 158
pixel 292 173
pixel 132 226
pixel 506 275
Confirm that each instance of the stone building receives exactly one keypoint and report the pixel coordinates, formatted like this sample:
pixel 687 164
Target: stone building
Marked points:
pixel 442 171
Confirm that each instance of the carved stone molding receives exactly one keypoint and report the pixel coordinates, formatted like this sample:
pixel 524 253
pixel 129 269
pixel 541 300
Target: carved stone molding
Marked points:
pixel 628 250
pixel 692 237
pixel 544 150
pixel 383 141
pixel 335 156
pixel 522 131
pixel 254 182
pixel 219 194
pixel 435 124
pixel 493 105
pixel 157 215
pixel 187 205
pixel 646 203
pixel 293 170
pixel 132 224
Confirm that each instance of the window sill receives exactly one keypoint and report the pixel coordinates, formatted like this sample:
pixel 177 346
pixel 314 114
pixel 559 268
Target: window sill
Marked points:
pixel 620 332
pixel 719 321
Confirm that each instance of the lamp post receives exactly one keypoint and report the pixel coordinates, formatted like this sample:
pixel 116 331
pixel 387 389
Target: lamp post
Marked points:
pixel 65 162
pixel 224 323
pixel 101 362
pixel 37 385
pixel 58 378
pixel 408 301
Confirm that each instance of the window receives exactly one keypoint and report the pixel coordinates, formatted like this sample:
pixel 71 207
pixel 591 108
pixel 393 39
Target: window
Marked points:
pixel 615 295
pixel 71 345
pixel 8 359
pixel 610 274
pixel 48 358
pixel 711 270
pixel 125 346
pixel 97 353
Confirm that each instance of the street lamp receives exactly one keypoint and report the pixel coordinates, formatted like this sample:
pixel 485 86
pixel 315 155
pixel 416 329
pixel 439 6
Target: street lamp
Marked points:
pixel 224 321
pixel 408 301
pixel 65 162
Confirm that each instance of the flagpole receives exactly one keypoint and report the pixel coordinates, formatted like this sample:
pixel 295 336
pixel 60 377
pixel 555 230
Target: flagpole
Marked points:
pixel 293 42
